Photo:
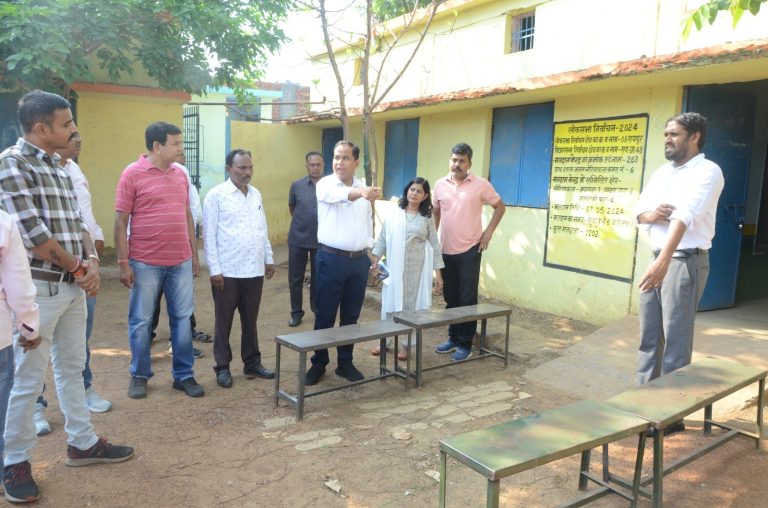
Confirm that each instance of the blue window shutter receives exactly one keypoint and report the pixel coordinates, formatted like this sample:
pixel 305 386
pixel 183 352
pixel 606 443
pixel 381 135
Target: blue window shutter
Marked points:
pixel 400 155
pixel 521 154
pixel 537 156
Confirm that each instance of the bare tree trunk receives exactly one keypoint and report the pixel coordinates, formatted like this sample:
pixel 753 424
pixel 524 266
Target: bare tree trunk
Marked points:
pixel 343 116
pixel 370 171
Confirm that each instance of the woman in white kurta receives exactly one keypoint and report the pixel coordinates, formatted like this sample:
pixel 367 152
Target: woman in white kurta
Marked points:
pixel 408 243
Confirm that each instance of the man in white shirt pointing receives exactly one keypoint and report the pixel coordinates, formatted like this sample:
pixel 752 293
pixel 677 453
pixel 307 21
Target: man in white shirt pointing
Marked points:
pixel 345 237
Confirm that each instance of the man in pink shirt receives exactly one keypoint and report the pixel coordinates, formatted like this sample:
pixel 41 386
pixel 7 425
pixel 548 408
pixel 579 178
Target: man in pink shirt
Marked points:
pixel 458 204
pixel 161 254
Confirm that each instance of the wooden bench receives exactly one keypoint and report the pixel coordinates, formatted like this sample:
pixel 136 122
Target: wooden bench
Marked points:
pixel 518 445
pixel 671 397
pixel 420 321
pixel 303 342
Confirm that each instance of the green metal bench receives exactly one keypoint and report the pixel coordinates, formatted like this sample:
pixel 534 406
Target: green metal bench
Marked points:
pixel 671 397
pixel 304 342
pixel 422 320
pixel 508 448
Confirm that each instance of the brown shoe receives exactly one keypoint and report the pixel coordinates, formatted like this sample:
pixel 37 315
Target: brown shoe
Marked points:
pixel 376 351
pixel 101 452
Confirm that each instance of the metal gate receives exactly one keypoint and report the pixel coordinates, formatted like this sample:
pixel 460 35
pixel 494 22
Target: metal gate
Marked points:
pixel 192 142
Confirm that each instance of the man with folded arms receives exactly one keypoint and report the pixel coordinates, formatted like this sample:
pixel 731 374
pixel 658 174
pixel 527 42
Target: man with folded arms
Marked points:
pixel 678 208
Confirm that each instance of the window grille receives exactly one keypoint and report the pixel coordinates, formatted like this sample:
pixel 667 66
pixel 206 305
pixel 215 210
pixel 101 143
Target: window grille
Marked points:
pixel 523 28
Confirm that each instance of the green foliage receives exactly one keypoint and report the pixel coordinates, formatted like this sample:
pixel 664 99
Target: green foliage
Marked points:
pixel 183 44
pixel 388 9
pixel 707 13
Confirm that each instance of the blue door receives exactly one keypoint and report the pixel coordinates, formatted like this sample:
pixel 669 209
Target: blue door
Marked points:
pixel 330 138
pixel 400 155
pixel 731 118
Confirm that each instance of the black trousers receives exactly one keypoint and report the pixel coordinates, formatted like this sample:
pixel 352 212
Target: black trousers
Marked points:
pixel 461 277
pixel 297 266
pixel 243 295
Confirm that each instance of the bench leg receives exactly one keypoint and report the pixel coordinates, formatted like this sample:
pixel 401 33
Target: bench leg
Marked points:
pixel 658 469
pixel 492 495
pixel 408 364
pixel 443 479
pixel 302 387
pixel 638 469
pixel 760 406
pixel 606 465
pixel 277 373
pixel 506 344
pixel 483 335
pixel 708 420
pixel 583 480
pixel 419 347
pixel 383 355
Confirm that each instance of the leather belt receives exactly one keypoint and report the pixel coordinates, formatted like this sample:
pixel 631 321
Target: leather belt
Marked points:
pixel 51 276
pixel 339 252
pixel 683 253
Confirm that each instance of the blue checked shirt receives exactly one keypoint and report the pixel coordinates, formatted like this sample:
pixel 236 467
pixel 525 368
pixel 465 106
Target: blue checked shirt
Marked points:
pixel 40 197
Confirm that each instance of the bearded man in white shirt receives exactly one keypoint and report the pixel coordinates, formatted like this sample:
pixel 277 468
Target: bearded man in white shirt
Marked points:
pixel 239 256
pixel 678 208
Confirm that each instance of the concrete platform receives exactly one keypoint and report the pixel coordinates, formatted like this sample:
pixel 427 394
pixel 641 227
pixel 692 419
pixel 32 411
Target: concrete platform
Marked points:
pixel 603 364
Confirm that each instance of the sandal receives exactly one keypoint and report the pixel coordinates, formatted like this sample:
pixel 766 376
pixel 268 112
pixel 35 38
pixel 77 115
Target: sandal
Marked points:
pixel 376 351
pixel 201 336
pixel 402 355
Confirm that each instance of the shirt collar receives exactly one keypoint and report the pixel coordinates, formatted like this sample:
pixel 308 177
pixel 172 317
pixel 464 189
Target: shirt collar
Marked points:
pixel 27 148
pixel 146 165
pixel 231 187
pixel 450 179
pixel 692 162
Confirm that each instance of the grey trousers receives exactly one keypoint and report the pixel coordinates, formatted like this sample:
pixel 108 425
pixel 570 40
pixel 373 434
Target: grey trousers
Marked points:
pixel 666 317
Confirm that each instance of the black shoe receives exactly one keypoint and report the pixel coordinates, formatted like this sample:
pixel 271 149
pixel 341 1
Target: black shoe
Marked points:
pixel 258 371
pixel 137 388
pixel 314 374
pixel 19 485
pixel 678 426
pixel 197 353
pixel 349 372
pixel 224 378
pixel 190 387
pixel 294 321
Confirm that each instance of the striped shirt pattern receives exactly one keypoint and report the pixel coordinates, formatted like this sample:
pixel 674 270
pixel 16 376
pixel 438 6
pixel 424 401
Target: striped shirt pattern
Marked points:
pixel 157 201
pixel 40 197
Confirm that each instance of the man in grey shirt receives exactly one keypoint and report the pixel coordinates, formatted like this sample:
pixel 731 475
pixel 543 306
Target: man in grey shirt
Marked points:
pixel 302 236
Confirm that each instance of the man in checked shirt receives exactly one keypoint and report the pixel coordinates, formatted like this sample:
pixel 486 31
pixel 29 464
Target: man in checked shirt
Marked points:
pixel 40 197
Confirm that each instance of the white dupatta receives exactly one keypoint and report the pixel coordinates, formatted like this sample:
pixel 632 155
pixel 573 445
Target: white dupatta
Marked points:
pixel 392 288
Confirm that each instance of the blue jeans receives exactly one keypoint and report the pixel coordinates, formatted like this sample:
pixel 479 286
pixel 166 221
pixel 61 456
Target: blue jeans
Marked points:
pixel 6 382
pixel 176 282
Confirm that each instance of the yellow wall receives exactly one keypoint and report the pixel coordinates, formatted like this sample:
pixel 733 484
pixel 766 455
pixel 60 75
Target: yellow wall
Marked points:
pixel 112 127
pixel 512 268
pixel 278 159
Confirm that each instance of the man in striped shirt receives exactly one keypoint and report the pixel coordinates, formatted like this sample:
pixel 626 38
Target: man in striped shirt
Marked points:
pixel 153 194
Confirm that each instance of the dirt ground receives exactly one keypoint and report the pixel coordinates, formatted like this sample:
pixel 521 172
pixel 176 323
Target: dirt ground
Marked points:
pixel 233 447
